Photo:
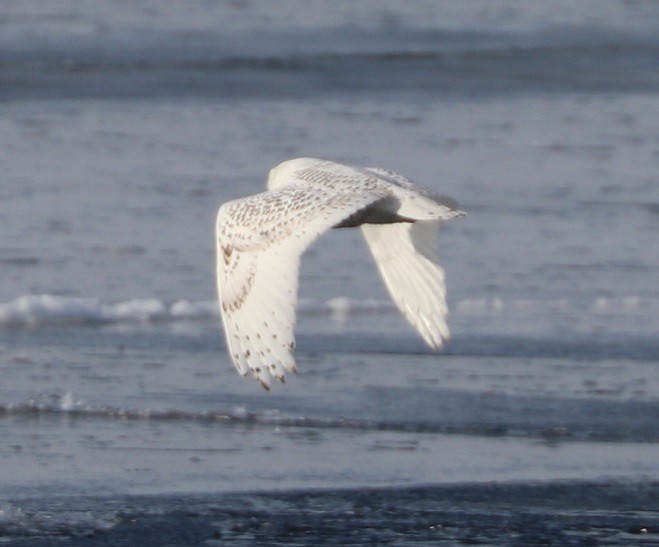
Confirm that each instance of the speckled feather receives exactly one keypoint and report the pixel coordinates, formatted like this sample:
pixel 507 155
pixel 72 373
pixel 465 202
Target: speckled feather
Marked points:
pixel 260 239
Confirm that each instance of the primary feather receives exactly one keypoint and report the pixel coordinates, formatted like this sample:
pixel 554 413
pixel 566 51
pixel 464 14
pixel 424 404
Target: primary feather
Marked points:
pixel 260 239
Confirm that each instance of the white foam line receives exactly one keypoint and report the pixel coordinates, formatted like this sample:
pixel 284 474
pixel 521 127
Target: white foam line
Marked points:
pixel 31 311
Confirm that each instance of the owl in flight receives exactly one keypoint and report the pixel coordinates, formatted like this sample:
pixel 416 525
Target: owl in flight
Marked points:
pixel 260 239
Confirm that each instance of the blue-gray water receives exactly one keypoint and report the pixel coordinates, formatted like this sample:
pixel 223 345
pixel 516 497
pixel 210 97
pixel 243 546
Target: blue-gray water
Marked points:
pixel 124 126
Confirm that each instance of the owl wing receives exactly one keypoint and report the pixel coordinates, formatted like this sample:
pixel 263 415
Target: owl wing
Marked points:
pixel 406 255
pixel 260 239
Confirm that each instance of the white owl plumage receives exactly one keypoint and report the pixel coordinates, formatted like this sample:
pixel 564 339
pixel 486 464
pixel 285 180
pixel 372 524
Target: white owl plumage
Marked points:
pixel 260 239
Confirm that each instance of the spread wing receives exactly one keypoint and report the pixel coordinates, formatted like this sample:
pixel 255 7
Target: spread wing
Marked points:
pixel 406 255
pixel 259 242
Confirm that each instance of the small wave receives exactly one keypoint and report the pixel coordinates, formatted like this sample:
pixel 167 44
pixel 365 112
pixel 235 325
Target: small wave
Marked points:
pixel 67 408
pixel 621 306
pixel 47 310
pixel 44 310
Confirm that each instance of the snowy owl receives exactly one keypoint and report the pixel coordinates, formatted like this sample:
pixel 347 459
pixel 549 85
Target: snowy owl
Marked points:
pixel 260 239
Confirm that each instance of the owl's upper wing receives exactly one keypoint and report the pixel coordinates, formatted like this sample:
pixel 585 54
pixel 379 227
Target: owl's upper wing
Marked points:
pixel 259 242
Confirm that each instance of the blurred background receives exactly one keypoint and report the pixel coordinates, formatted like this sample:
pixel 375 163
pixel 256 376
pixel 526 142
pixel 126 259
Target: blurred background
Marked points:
pixel 124 126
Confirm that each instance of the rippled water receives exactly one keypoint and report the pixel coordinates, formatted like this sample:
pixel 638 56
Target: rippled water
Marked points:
pixel 123 129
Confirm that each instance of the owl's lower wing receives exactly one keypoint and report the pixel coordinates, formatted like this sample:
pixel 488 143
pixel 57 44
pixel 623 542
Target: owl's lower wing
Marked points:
pixel 406 255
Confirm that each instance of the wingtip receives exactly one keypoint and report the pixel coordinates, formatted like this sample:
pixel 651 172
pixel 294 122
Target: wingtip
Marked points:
pixel 434 345
pixel 261 377
pixel 434 339
pixel 264 384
